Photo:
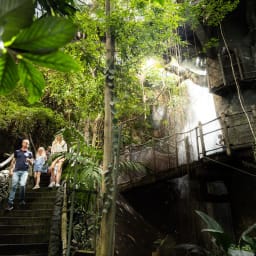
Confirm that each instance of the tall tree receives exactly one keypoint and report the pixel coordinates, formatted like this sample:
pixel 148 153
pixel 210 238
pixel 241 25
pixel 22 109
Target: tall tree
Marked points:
pixel 106 239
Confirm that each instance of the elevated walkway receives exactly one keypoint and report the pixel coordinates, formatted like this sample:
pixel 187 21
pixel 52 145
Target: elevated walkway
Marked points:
pixel 219 142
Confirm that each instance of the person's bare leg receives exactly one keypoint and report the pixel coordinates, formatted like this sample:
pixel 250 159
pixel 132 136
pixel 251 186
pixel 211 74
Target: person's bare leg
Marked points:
pixel 38 178
pixel 51 168
pixel 58 176
pixel 35 178
pixel 59 171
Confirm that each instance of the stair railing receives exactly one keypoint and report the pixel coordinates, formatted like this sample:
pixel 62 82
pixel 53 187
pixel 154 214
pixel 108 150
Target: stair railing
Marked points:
pixel 7 161
pixel 223 134
pixel 4 179
pixel 64 222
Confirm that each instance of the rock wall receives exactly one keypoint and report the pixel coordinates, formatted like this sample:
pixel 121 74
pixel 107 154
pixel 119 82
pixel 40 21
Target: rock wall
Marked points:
pixel 243 200
pixel 134 236
pixel 239 29
pixel 170 207
pixel 230 103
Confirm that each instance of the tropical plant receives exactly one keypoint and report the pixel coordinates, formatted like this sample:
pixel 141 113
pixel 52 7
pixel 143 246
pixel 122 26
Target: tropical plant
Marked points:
pixel 82 168
pixel 19 118
pixel 209 12
pixel 56 7
pixel 82 175
pixel 26 43
pixel 223 241
pixel 248 239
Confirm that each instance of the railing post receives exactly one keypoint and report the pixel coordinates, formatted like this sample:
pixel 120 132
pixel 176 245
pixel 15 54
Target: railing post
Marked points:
pixel 154 154
pixel 239 64
pixel 222 69
pixel 225 132
pixel 187 151
pixel 176 151
pixel 201 136
pixel 169 155
pixel 254 126
pixel 64 222
pixel 197 144
pixel 253 111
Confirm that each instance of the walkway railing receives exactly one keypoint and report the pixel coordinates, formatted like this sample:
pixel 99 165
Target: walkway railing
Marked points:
pixel 223 134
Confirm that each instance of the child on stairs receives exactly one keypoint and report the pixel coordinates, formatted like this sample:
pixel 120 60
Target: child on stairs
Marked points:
pixel 39 166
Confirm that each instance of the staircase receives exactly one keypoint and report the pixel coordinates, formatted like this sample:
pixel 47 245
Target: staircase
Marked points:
pixel 26 229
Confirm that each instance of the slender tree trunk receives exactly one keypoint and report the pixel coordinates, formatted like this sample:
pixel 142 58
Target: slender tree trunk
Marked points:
pixel 87 130
pixel 106 239
pixel 96 131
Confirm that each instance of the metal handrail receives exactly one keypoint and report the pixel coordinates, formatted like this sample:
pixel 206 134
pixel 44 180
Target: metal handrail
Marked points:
pixel 64 221
pixel 7 161
pixel 199 149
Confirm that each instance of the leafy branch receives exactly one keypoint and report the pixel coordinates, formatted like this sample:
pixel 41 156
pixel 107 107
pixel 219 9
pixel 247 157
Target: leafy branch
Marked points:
pixel 26 44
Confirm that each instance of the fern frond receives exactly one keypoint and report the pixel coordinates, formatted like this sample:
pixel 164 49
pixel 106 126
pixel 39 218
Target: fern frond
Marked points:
pixel 126 167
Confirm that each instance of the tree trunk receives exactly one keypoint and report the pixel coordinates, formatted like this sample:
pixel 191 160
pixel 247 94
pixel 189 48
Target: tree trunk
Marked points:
pixel 96 131
pixel 106 239
pixel 87 130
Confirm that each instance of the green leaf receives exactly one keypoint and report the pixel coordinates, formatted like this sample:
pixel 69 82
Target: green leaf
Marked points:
pixel 8 74
pixel 45 35
pixel 211 223
pixel 56 60
pixel 248 239
pixel 213 227
pixel 32 80
pixel 61 7
pixel 211 230
pixel 160 1
pixel 15 15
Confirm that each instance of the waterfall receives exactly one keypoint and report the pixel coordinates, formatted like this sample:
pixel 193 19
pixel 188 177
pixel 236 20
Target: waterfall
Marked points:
pixel 200 107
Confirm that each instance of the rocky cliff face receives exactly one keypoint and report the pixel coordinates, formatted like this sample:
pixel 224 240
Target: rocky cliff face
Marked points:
pixel 239 30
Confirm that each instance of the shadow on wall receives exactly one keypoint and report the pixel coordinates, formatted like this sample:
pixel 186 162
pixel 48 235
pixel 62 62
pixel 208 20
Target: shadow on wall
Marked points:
pixel 134 236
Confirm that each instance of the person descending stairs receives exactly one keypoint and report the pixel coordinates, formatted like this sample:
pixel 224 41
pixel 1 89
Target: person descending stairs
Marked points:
pixel 26 229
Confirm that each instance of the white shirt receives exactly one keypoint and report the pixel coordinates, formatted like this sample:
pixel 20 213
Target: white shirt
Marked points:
pixel 59 147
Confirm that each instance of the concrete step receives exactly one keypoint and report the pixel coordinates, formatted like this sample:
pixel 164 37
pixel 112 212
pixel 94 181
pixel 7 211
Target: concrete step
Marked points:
pixel 41 192
pixel 23 238
pixel 33 254
pixel 27 213
pixel 28 206
pixel 24 229
pixel 24 249
pixel 9 220
pixel 32 199
pixel 40 205
pixel 44 182
pixel 34 205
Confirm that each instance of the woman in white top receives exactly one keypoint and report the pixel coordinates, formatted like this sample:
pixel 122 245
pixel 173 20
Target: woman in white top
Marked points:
pixel 58 146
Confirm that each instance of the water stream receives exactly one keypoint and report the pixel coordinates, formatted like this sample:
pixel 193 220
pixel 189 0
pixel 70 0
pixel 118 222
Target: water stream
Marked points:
pixel 200 108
